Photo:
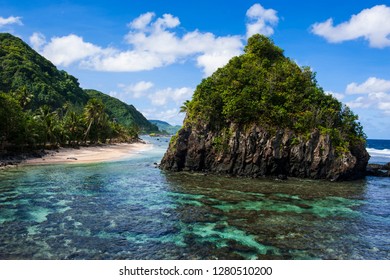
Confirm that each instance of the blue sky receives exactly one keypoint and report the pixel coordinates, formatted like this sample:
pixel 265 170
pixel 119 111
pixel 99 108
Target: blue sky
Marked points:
pixel 153 53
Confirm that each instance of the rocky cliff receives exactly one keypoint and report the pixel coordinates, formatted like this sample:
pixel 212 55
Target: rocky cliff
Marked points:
pixel 263 115
pixel 255 152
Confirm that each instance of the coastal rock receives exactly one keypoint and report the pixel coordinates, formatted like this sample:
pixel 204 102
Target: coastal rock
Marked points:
pixel 378 170
pixel 263 115
pixel 256 152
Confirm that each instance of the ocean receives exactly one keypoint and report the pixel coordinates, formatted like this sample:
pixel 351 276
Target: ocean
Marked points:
pixel 379 151
pixel 131 210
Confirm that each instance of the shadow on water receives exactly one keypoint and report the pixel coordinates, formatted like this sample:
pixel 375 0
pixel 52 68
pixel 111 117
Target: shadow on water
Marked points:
pixel 131 210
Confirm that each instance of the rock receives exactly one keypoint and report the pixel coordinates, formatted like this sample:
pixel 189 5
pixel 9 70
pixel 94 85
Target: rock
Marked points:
pixel 282 177
pixel 386 166
pixel 378 170
pixel 263 115
pixel 256 152
pixel 374 166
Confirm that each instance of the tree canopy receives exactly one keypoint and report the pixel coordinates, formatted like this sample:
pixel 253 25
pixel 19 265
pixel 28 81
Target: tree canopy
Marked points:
pixel 264 87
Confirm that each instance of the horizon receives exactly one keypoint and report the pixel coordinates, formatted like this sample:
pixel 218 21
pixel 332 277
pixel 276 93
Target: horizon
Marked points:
pixel 152 55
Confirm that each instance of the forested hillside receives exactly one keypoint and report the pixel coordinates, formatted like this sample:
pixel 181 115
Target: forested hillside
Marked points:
pixel 124 114
pixel 41 105
pixel 165 127
pixel 24 72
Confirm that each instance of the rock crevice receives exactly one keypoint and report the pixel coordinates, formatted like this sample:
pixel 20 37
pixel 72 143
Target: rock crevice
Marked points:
pixel 257 152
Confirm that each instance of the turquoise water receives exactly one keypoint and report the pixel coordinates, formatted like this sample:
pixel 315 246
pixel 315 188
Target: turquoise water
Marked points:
pixel 132 210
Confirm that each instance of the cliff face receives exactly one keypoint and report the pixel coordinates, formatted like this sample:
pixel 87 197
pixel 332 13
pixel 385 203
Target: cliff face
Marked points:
pixel 256 152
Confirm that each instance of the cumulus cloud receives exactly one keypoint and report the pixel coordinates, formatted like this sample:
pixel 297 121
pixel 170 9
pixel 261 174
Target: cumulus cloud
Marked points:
pixel 371 85
pixel 10 21
pixel 371 24
pixel 261 20
pixel 137 90
pixel 376 94
pixel 158 38
pixel 142 21
pixel 163 103
pixel 153 43
pixel 65 50
pixel 172 115
pixel 37 40
pixel 177 95
pixel 377 100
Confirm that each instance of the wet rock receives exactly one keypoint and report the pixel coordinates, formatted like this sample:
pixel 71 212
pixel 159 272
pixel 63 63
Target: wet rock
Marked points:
pixel 386 166
pixel 378 170
pixel 256 152
pixel 235 246
pixel 304 206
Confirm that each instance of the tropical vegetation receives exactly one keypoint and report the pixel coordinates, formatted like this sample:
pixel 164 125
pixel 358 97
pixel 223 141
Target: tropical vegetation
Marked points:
pixel 264 87
pixel 41 106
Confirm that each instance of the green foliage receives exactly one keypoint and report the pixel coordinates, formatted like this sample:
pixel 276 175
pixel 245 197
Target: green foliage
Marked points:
pixel 127 115
pixel 22 70
pixel 41 105
pixel 11 119
pixel 264 87
pixel 28 129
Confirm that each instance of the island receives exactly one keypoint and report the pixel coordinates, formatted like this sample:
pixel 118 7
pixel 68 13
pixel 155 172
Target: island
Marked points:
pixel 263 115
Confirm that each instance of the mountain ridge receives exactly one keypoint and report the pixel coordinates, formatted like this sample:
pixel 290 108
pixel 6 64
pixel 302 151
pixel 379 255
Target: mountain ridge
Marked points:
pixel 164 126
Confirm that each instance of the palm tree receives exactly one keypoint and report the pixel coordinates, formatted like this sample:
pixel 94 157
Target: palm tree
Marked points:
pixel 74 126
pixel 49 121
pixel 23 96
pixel 94 114
pixel 184 107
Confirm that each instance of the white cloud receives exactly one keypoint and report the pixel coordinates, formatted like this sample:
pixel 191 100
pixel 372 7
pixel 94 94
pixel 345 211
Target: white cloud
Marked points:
pixel 371 24
pixel 142 21
pixel 379 100
pixel 172 116
pixel 152 43
pixel 336 95
pixel 261 20
pixel 371 85
pixel 122 61
pixel 37 40
pixel 167 21
pixel 67 49
pixel 224 48
pixel 376 94
pixel 10 20
pixel 177 95
pixel 158 39
pixel 137 90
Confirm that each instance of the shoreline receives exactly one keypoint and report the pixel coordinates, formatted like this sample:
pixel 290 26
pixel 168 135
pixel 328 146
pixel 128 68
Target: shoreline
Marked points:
pixel 80 155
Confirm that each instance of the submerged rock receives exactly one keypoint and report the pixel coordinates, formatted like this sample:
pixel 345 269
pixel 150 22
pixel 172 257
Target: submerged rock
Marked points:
pixel 378 170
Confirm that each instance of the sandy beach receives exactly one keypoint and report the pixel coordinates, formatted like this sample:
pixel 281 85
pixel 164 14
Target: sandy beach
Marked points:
pixel 91 154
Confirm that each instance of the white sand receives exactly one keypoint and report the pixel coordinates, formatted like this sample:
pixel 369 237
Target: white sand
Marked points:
pixel 92 154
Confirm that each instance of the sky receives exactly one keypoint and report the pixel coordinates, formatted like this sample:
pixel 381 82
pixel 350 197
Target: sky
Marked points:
pixel 153 53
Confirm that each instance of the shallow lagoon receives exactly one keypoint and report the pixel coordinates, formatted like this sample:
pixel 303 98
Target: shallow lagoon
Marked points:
pixel 132 210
